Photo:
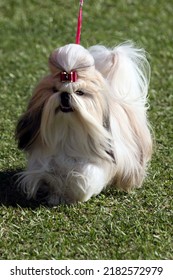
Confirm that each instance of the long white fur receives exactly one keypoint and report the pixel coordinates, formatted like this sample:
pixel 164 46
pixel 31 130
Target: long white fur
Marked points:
pixel 70 157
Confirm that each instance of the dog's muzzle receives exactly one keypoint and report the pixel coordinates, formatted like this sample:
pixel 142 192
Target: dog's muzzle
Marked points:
pixel 65 105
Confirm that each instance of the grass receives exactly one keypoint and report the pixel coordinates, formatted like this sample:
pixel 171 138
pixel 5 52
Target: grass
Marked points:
pixel 113 225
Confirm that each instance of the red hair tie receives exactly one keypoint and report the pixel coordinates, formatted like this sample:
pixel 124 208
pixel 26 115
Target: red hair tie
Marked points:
pixel 68 77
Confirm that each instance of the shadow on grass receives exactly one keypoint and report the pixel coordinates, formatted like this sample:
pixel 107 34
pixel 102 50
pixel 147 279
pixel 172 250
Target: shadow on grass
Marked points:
pixel 10 195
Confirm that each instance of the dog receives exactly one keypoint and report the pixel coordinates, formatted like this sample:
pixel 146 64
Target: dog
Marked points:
pixel 86 125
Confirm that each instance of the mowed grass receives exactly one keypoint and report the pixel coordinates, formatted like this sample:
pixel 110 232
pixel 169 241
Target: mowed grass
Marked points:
pixel 113 225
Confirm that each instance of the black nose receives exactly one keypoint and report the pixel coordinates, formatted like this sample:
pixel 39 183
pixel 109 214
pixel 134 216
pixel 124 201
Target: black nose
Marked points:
pixel 65 99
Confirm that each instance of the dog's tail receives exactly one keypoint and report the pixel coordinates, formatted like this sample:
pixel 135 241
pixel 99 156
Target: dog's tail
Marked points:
pixel 126 69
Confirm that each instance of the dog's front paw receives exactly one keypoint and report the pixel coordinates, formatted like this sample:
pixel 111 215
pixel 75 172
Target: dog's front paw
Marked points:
pixel 55 199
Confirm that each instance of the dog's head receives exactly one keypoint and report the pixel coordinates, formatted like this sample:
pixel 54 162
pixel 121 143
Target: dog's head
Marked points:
pixel 72 98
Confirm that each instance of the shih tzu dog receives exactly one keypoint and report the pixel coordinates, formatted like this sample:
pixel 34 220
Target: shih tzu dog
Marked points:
pixel 86 126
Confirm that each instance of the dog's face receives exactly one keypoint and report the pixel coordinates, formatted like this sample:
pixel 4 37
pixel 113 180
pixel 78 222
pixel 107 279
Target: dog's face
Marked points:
pixel 57 105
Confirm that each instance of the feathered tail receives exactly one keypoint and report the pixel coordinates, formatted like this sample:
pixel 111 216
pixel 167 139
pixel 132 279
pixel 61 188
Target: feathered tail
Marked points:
pixel 126 69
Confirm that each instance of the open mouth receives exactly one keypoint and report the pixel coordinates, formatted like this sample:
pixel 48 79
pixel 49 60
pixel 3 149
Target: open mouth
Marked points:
pixel 66 109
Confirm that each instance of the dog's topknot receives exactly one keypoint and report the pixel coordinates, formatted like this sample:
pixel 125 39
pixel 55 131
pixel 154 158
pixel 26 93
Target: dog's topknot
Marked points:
pixel 70 57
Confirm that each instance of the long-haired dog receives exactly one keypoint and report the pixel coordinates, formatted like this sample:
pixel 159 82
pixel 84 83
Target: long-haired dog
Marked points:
pixel 86 125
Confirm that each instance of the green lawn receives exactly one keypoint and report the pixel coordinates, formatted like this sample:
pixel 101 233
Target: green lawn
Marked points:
pixel 113 225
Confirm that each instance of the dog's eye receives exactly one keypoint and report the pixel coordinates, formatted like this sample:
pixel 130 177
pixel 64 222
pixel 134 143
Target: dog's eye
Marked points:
pixel 79 92
pixel 54 89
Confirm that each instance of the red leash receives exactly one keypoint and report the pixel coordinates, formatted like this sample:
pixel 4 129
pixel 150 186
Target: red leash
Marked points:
pixel 72 76
pixel 79 23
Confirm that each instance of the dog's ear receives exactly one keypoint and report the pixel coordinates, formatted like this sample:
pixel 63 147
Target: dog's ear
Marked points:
pixel 28 128
pixel 28 125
